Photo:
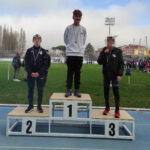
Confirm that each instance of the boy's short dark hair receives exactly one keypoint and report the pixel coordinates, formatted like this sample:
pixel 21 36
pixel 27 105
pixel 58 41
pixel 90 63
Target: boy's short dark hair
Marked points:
pixel 111 38
pixel 37 36
pixel 77 12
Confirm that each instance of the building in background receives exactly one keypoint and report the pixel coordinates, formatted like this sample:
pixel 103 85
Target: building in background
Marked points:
pixel 131 50
pixel 135 50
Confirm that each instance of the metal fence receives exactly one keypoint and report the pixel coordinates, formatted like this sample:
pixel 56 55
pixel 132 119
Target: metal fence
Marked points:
pixel 7 54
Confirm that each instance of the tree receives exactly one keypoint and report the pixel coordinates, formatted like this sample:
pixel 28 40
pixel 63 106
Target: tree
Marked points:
pixel 12 40
pixel 61 48
pixel 1 34
pixel 22 40
pixel 89 52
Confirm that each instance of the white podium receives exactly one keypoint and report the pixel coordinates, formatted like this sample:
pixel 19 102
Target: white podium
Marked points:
pixel 71 117
pixel 70 106
pixel 21 123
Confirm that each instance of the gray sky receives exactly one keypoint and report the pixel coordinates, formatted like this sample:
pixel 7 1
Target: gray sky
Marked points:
pixel 50 17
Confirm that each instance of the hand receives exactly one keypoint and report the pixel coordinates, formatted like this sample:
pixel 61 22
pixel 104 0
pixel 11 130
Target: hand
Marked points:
pixel 118 78
pixel 37 75
pixel 33 75
pixel 106 50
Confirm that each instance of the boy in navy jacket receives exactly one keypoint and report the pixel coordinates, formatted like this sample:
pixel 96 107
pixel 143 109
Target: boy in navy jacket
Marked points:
pixel 37 65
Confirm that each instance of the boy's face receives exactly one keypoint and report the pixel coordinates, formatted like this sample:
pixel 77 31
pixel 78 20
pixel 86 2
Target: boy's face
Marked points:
pixel 18 54
pixel 37 41
pixel 110 43
pixel 77 19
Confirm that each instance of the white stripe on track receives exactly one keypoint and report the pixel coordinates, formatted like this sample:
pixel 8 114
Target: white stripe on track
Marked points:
pixel 47 148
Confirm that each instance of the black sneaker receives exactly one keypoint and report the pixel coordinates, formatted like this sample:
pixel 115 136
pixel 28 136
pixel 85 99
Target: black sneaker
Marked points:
pixel 39 109
pixel 77 93
pixel 68 93
pixel 29 109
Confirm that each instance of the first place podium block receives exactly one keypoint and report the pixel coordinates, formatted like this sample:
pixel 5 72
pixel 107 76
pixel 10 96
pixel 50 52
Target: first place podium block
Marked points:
pixel 70 106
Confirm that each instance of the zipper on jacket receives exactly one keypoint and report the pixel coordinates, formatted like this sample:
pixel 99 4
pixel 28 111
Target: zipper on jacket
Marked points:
pixel 108 57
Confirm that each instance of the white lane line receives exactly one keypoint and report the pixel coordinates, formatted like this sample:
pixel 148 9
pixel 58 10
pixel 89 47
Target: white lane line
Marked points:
pixel 47 148
pixel 143 124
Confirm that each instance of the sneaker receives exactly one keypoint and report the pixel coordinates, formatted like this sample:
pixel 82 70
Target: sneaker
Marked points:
pixel 29 109
pixel 106 111
pixel 39 109
pixel 77 93
pixel 117 114
pixel 16 80
pixel 68 93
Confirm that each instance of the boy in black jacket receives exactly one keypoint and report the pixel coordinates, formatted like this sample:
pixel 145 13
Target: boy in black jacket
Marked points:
pixel 112 60
pixel 37 64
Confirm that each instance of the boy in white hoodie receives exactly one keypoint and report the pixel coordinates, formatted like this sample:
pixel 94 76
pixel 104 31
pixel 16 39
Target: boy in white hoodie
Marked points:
pixel 74 38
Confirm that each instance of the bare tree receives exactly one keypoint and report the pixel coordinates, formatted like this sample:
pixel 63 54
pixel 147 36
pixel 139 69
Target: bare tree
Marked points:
pixel 12 40
pixel 1 34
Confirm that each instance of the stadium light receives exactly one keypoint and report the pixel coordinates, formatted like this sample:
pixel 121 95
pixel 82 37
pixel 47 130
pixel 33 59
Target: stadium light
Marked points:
pixel 110 21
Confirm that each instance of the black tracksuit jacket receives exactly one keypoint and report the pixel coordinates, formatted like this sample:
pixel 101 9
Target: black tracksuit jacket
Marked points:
pixel 113 64
pixel 42 63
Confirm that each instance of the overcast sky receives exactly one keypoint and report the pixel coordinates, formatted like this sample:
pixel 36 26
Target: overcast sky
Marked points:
pixel 50 17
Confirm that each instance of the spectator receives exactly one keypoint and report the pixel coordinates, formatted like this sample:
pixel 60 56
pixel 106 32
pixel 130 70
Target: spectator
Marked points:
pixel 16 64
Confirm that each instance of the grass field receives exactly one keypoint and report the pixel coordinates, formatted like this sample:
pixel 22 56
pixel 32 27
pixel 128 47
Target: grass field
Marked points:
pixel 137 94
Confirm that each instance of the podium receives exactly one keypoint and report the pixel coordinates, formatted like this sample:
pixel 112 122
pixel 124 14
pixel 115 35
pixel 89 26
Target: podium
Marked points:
pixel 70 106
pixel 21 123
pixel 71 117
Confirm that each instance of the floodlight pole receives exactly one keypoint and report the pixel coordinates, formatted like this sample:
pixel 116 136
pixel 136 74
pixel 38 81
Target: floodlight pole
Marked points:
pixel 109 29
pixel 146 44
pixel 109 21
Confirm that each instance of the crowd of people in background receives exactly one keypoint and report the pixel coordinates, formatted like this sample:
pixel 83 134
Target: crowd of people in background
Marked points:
pixel 141 65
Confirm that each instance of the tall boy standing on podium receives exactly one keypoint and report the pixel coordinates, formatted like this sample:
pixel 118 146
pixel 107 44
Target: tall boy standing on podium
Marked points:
pixel 74 38
pixel 37 64
pixel 112 60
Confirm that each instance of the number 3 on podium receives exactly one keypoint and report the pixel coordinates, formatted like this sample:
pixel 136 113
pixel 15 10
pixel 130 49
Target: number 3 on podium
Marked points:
pixel 111 128
pixel 28 126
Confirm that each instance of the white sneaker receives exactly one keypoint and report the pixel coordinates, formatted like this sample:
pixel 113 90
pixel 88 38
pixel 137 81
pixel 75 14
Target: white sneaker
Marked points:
pixel 16 80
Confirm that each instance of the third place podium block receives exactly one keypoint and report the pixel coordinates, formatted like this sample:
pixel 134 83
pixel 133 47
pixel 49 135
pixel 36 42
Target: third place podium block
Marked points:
pixel 71 117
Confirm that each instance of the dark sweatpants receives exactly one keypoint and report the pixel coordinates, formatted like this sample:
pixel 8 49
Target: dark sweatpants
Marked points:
pixel 40 86
pixel 16 72
pixel 74 64
pixel 115 87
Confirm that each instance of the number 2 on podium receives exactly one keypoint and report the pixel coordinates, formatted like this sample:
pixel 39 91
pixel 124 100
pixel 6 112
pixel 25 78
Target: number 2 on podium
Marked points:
pixel 28 126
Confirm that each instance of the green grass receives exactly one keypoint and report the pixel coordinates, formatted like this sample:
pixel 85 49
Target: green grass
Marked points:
pixel 137 94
